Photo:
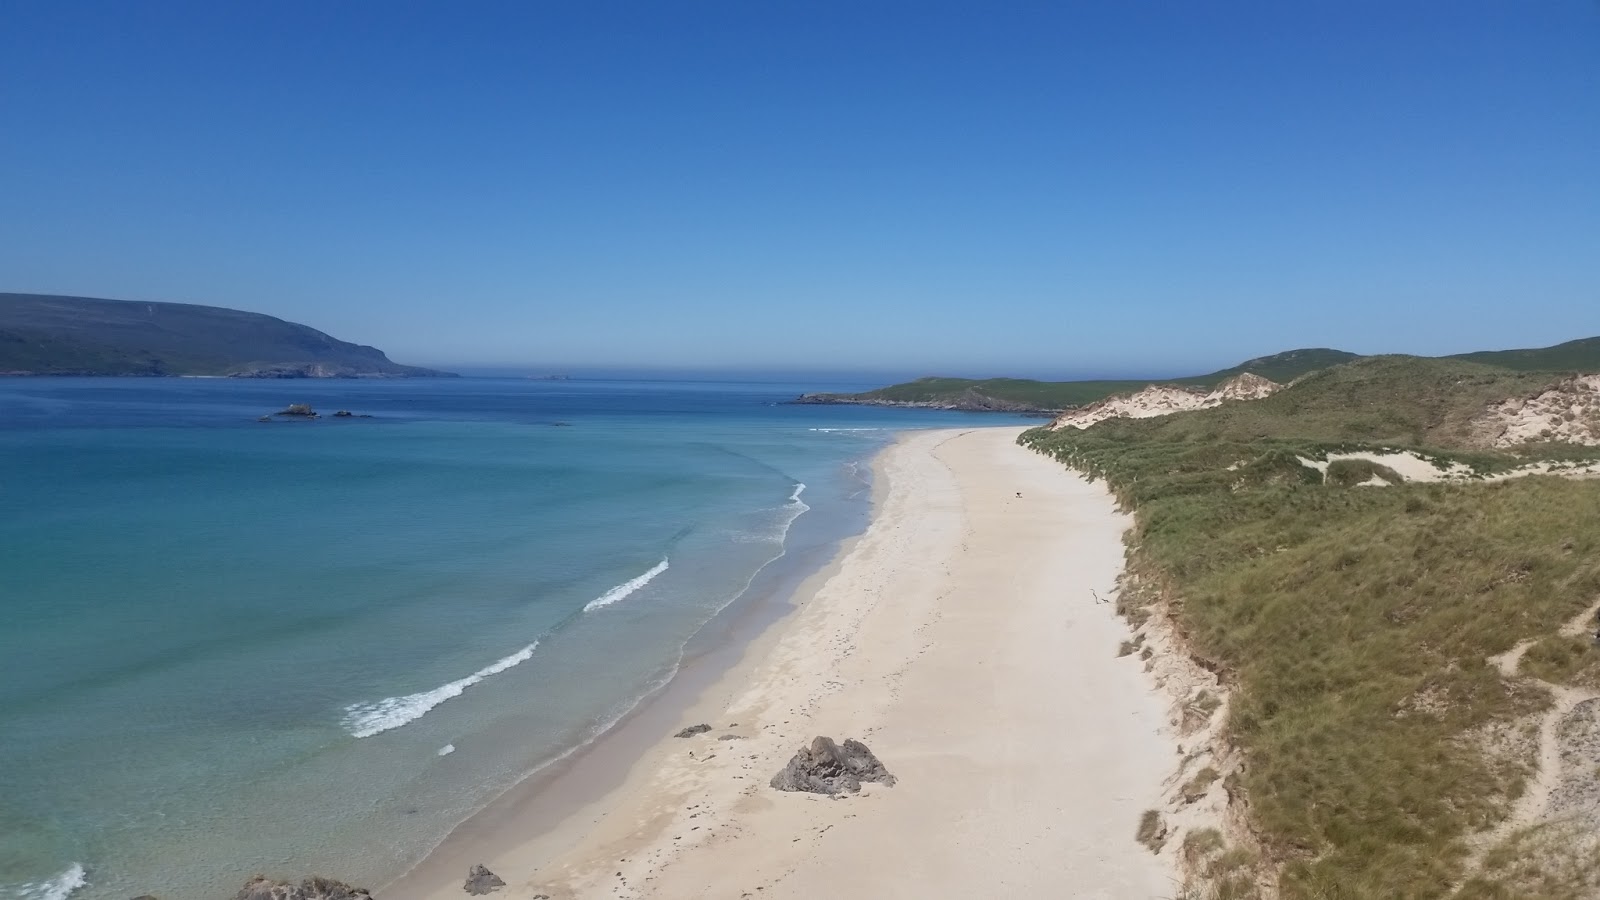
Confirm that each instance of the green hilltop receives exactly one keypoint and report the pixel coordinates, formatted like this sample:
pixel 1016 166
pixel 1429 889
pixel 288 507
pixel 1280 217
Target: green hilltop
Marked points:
pixel 45 334
pixel 1027 395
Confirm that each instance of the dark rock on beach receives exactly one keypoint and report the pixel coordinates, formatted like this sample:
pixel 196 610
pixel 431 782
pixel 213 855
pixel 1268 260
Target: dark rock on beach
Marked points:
pixel 693 730
pixel 260 887
pixel 828 768
pixel 482 881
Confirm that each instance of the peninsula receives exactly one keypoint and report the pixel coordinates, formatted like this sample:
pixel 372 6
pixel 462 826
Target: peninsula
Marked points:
pixel 1027 396
pixel 46 334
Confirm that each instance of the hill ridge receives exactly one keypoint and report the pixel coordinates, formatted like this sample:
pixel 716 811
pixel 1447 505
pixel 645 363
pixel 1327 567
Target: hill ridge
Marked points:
pixel 1028 396
pixel 54 334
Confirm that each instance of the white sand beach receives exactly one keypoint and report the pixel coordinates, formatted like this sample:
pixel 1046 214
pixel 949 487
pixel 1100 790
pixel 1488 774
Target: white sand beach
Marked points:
pixel 964 640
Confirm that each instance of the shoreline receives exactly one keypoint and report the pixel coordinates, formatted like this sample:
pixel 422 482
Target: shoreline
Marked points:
pixel 523 818
pixel 884 643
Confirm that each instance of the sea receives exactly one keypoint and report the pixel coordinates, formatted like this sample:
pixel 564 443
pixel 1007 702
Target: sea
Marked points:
pixel 231 646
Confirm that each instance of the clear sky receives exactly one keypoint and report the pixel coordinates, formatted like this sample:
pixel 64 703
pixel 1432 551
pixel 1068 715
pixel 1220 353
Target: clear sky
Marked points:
pixel 958 188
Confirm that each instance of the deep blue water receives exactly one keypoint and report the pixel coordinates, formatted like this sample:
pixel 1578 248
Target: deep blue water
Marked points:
pixel 229 646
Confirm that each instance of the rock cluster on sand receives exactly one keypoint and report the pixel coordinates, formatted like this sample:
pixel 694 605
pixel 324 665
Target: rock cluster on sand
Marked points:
pixel 828 768
pixel 260 887
pixel 482 881
pixel 693 730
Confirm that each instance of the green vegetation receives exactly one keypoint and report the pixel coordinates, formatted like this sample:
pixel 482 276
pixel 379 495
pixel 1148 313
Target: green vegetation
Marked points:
pixel 1152 831
pixel 1354 627
pixel 1226 872
pixel 1354 472
pixel 1058 395
pixel 42 334
pixel 1560 659
pixel 1574 356
pixel 1018 393
pixel 1403 401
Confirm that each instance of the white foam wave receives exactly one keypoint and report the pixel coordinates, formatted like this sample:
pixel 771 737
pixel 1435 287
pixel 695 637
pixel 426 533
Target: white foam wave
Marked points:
pixel 447 749
pixel 57 888
pixel 367 719
pixel 832 430
pixel 627 587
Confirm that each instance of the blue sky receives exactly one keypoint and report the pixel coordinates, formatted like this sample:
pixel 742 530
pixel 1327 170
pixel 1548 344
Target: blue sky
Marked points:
pixel 921 187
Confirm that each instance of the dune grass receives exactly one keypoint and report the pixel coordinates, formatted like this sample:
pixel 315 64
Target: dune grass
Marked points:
pixel 1355 626
pixel 1354 472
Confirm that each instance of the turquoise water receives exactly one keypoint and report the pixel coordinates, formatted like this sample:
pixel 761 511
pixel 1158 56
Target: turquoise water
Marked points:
pixel 294 647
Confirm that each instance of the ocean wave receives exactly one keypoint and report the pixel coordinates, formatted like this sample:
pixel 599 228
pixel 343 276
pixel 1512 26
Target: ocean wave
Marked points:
pixel 367 719
pixel 57 888
pixel 447 749
pixel 779 532
pixel 832 430
pixel 627 587
pixel 853 470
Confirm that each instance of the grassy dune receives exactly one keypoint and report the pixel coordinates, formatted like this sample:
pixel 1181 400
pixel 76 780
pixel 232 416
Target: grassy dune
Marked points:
pixel 1580 355
pixel 1354 625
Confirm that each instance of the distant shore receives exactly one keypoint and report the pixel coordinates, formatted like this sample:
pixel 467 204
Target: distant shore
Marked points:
pixel 961 639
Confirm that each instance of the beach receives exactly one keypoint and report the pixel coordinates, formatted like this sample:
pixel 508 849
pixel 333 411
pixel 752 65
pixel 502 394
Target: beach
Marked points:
pixel 966 637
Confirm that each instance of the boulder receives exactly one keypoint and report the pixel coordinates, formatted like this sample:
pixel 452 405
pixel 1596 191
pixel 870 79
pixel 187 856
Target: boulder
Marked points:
pixel 260 887
pixel 829 768
pixel 482 881
pixel 298 409
pixel 693 730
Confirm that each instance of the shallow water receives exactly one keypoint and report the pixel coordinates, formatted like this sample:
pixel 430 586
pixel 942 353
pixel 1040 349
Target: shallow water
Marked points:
pixel 232 646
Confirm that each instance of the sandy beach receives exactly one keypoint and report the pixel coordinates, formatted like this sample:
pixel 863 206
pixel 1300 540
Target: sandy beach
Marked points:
pixel 964 639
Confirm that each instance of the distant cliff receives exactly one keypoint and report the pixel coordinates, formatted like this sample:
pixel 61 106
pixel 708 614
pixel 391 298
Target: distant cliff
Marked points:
pixel 44 334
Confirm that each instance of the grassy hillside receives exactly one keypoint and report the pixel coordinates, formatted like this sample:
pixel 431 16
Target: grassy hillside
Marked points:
pixel 1036 394
pixel 1574 356
pixel 1394 400
pixel 1280 367
pixel 1354 626
pixel 46 334
pixel 1027 394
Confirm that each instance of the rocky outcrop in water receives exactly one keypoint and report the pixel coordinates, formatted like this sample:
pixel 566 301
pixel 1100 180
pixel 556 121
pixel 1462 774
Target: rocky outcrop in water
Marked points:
pixel 482 881
pixel 260 887
pixel 829 768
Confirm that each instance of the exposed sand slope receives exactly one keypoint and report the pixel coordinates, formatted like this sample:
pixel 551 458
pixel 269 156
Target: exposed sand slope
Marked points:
pixel 962 640
pixel 1566 411
pixel 1165 399
pixel 1413 466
